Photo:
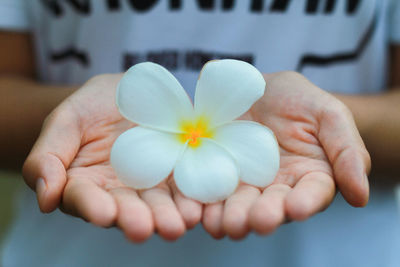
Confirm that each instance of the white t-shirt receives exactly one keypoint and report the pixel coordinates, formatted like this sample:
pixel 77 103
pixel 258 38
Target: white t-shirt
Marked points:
pixel 340 45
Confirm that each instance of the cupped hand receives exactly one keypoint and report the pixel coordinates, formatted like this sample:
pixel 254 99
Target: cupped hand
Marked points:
pixel 320 148
pixel 69 168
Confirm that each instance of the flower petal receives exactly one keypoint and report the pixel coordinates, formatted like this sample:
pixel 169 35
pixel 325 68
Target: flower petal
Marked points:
pixel 207 173
pixel 254 148
pixel 142 157
pixel 226 89
pixel 149 95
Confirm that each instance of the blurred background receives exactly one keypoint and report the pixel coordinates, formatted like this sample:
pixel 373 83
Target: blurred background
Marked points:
pixel 10 183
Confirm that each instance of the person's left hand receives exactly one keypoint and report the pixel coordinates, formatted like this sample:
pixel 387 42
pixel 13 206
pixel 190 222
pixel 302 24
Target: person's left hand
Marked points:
pixel 320 149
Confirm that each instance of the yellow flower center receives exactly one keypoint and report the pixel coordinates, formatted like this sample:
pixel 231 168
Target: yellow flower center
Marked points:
pixel 193 131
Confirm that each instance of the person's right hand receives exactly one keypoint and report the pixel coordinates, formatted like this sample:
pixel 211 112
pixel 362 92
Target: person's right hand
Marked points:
pixel 69 168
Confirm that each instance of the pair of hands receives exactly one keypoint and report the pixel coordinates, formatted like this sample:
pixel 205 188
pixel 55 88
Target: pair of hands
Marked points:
pixel 319 143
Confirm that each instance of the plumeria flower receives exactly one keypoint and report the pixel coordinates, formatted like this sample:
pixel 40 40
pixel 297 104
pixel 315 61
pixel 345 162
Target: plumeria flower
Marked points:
pixel 207 151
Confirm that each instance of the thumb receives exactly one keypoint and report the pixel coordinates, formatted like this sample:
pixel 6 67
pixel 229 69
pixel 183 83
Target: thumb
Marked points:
pixel 347 154
pixel 45 167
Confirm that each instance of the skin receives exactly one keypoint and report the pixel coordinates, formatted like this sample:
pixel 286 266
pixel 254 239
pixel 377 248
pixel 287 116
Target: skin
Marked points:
pixel 320 149
pixel 71 155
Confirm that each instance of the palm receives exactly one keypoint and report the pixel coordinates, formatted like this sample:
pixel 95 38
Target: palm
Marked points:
pixel 296 129
pixel 92 160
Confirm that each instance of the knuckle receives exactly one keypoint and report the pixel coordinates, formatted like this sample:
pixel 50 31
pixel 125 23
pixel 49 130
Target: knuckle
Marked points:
pixel 335 110
pixel 60 113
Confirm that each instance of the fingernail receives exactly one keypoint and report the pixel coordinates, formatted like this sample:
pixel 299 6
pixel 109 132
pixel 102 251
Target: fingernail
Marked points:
pixel 41 187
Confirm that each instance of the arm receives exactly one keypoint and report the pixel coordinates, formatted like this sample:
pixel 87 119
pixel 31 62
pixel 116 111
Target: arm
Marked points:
pixel 24 102
pixel 378 120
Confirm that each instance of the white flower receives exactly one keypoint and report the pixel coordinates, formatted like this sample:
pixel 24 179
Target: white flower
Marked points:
pixel 204 148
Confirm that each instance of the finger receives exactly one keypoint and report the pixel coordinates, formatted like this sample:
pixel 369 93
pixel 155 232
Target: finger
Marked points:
pixel 134 216
pixel 268 211
pixel 167 219
pixel 347 154
pixel 190 210
pixel 236 211
pixel 52 153
pixel 313 193
pixel 212 219
pixel 83 198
